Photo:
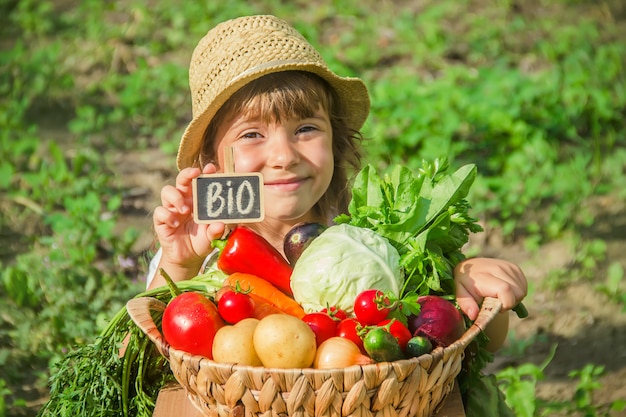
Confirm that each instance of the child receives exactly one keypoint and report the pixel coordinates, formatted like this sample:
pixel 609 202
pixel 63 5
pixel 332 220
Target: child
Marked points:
pixel 259 87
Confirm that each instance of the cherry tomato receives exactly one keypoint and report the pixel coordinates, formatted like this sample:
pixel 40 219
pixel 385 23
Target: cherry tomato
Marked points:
pixel 235 306
pixel 371 307
pixel 323 325
pixel 190 322
pixel 398 330
pixel 336 313
pixel 349 328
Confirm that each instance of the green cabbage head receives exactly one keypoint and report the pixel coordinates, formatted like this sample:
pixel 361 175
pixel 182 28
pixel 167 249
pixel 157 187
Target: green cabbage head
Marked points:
pixel 340 263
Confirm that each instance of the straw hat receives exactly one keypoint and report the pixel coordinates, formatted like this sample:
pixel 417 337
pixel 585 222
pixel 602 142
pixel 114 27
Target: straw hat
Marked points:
pixel 238 51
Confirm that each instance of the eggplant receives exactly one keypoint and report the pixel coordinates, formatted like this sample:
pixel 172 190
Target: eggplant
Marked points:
pixel 299 237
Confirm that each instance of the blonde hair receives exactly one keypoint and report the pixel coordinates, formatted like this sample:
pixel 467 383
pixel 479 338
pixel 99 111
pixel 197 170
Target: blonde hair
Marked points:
pixel 282 95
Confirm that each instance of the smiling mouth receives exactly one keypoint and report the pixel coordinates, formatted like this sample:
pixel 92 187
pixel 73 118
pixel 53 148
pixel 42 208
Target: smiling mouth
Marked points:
pixel 286 185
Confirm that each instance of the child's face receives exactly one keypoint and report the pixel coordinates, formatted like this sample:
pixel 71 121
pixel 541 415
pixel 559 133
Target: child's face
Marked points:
pixel 294 156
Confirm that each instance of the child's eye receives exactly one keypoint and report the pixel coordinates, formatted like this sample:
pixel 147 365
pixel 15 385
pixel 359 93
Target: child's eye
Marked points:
pixel 307 128
pixel 251 135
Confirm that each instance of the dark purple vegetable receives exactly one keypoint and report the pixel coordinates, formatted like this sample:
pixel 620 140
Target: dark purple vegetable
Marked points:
pixel 299 238
pixel 439 321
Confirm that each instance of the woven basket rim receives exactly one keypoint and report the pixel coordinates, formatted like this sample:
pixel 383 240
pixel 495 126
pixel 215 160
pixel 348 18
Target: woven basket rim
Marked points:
pixel 136 308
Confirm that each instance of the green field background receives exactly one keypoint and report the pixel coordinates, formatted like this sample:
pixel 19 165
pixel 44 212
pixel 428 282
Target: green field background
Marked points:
pixel 532 92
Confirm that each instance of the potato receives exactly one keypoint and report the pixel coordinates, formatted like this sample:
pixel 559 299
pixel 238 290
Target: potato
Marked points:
pixel 248 323
pixel 284 341
pixel 234 344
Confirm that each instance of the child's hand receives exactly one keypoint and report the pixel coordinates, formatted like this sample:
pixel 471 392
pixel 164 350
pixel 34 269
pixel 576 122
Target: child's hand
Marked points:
pixel 185 243
pixel 477 278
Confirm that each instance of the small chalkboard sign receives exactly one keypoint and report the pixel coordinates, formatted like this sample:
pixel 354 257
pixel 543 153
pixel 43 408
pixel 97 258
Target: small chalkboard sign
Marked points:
pixel 228 198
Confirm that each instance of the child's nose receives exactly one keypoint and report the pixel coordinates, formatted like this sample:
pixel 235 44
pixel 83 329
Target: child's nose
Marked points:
pixel 282 151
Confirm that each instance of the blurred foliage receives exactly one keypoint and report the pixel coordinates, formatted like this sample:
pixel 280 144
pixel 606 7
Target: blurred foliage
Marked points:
pixel 532 92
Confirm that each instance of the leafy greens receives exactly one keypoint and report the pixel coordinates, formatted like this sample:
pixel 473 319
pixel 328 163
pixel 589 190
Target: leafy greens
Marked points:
pixel 424 215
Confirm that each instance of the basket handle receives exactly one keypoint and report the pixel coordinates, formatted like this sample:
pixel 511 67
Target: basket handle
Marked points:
pixel 139 311
pixel 489 309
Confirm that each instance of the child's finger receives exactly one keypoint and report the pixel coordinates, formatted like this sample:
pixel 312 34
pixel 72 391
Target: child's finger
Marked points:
pixel 515 274
pixel 173 199
pixel 504 292
pixel 163 216
pixel 511 284
pixel 184 178
pixel 209 168
pixel 215 230
pixel 467 302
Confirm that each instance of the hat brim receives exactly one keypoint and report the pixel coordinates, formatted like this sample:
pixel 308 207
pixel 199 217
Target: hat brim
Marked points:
pixel 352 94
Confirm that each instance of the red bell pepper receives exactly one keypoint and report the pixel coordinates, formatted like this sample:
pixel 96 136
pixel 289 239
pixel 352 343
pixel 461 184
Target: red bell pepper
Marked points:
pixel 247 252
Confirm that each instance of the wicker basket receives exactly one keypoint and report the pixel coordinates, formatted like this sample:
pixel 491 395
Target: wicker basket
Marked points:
pixel 408 388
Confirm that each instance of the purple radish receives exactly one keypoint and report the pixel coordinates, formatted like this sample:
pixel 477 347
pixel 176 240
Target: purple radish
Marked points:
pixel 439 321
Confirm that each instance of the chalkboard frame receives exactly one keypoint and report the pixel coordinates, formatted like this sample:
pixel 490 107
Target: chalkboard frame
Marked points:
pixel 200 186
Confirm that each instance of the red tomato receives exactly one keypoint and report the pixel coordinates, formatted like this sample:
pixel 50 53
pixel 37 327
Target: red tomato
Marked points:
pixel 371 307
pixel 398 330
pixel 190 322
pixel 322 325
pixel 336 313
pixel 235 306
pixel 349 328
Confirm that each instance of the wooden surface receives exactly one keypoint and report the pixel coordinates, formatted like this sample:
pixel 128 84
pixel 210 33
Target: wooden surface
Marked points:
pixel 453 405
pixel 173 401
